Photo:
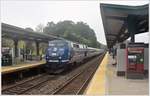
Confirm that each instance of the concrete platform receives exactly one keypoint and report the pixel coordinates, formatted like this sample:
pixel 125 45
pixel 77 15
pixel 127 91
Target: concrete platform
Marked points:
pixel 18 67
pixel 119 85
pixel 97 85
pixel 106 82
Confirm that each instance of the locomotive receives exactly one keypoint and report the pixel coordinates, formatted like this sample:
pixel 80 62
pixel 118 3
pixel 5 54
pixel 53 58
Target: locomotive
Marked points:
pixel 63 54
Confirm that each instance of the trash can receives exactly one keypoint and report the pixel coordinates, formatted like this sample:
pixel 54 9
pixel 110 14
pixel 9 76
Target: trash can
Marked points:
pixel 6 60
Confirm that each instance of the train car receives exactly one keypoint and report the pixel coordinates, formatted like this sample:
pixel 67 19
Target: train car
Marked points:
pixel 62 54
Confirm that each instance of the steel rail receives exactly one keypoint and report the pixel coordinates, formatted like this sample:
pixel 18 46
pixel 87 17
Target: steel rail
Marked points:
pixel 60 87
pixel 21 82
pixel 82 88
pixel 25 89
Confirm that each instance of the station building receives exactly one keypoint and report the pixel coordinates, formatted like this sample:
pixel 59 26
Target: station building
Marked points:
pixel 22 48
pixel 124 69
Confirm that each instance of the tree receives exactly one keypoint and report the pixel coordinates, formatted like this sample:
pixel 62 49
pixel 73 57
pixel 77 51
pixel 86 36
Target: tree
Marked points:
pixel 7 42
pixel 29 29
pixel 39 28
pixel 50 28
pixel 29 44
pixel 78 32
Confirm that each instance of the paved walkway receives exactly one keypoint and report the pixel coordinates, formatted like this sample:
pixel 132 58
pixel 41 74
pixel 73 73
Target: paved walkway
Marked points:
pixel 22 66
pixel 106 82
pixel 119 85
pixel 97 84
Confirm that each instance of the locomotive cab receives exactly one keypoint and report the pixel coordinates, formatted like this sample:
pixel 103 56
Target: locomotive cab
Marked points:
pixel 64 54
pixel 57 55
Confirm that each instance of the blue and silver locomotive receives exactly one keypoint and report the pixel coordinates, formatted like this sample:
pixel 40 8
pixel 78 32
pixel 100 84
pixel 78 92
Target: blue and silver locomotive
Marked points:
pixel 62 54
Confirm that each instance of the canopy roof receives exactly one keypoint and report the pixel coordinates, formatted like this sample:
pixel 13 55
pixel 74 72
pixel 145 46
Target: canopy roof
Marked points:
pixel 13 32
pixel 116 23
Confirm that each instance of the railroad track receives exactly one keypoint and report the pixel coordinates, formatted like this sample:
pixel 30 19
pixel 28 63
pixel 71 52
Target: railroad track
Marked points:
pixel 22 87
pixel 78 83
pixel 74 82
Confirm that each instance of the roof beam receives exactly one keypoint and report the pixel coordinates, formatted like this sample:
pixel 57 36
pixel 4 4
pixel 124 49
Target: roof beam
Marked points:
pixel 121 31
pixel 121 12
pixel 9 31
pixel 134 10
pixel 116 17
pixel 111 34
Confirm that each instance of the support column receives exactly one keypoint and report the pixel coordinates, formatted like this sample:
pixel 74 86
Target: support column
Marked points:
pixel 16 47
pixel 37 48
pixel 131 23
pixel 23 53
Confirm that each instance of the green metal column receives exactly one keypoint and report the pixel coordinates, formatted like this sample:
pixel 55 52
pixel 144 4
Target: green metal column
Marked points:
pixel 37 48
pixel 16 47
pixel 132 26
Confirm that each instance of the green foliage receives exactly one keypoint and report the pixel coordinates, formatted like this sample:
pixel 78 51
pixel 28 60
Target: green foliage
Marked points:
pixel 79 32
pixel 30 45
pixel 21 44
pixel 7 42
pixel 39 28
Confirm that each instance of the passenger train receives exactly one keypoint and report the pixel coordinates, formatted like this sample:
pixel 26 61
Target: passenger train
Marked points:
pixel 62 54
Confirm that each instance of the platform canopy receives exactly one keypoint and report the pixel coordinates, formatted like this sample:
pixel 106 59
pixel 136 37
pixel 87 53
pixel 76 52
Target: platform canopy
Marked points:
pixel 120 22
pixel 13 32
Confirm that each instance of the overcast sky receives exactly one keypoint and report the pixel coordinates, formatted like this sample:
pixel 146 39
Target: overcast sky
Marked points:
pixel 31 13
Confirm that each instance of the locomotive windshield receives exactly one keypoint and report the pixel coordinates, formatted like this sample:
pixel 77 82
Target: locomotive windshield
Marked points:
pixel 57 44
pixel 57 49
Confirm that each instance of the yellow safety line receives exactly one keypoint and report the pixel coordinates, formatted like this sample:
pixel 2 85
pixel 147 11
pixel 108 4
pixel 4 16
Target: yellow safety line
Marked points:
pixel 97 85
pixel 8 69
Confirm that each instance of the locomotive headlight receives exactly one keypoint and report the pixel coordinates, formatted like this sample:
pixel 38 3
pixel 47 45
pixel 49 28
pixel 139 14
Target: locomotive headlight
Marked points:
pixel 59 57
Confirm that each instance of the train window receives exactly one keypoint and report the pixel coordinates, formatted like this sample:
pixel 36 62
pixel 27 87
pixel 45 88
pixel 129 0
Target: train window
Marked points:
pixel 75 45
pixel 60 44
pixel 82 46
pixel 51 44
pixel 86 46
